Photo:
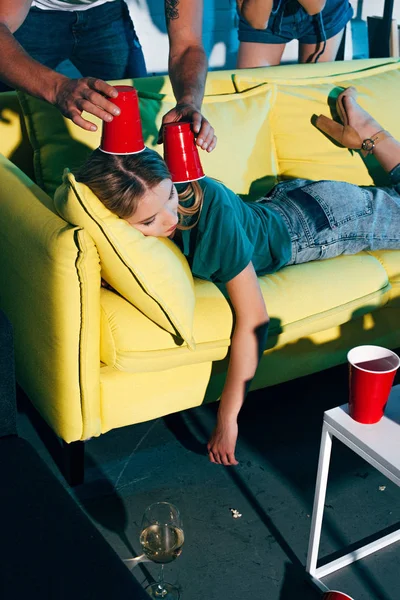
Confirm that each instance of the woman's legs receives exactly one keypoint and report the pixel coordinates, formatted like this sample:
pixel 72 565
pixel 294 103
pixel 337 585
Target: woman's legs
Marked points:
pixel 387 152
pixel 254 54
pixel 309 52
pixel 328 218
pixel 289 21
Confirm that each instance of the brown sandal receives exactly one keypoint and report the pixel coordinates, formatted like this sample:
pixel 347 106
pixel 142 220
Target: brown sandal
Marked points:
pixel 346 135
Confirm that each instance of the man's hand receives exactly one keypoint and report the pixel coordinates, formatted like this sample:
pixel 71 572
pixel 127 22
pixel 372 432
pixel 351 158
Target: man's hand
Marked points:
pixel 204 132
pixel 221 447
pixel 73 96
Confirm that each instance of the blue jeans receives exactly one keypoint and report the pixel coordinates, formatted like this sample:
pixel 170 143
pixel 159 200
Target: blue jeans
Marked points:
pixel 101 41
pixel 289 21
pixel 329 218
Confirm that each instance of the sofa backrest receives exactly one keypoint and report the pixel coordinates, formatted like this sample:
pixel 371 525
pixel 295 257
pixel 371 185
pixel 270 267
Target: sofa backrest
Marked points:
pixel 305 91
pixel 14 141
pixel 288 145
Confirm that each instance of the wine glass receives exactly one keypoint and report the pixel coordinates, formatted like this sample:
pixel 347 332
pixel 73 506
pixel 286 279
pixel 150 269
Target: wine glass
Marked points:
pixel 162 539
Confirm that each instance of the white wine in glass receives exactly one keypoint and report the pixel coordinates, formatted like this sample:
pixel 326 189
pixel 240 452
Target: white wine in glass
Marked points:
pixel 162 539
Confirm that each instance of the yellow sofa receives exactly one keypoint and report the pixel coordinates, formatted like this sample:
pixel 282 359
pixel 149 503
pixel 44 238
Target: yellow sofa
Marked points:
pixel 89 360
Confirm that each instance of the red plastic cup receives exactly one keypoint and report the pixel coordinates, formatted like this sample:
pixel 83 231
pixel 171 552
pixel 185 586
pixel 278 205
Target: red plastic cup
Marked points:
pixel 371 371
pixel 123 135
pixel 180 153
pixel 332 595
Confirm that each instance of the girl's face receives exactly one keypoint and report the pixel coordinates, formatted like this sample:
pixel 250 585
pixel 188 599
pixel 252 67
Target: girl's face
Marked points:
pixel 157 211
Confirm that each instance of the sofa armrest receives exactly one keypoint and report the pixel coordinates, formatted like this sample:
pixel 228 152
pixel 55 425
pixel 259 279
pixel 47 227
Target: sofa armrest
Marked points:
pixel 50 290
pixel 7 379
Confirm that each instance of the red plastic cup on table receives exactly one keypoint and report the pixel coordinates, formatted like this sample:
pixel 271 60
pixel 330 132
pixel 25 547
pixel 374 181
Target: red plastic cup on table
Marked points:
pixel 124 135
pixel 333 595
pixel 180 153
pixel 371 374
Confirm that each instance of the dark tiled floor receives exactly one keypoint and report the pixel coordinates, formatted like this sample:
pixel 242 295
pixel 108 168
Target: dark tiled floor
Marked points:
pixel 260 555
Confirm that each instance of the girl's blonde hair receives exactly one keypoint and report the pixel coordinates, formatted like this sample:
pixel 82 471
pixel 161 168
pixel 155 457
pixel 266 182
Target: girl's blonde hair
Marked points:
pixel 120 181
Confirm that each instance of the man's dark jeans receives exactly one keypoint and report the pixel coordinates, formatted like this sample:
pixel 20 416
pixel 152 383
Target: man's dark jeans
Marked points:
pixel 101 41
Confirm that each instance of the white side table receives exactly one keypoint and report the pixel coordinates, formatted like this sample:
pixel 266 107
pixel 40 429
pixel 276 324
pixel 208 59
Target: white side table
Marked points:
pixel 379 445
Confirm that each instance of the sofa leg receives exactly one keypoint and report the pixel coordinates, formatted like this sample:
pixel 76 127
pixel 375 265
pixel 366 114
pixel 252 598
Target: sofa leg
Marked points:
pixel 74 462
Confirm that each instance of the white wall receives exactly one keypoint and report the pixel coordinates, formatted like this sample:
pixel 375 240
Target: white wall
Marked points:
pixel 219 32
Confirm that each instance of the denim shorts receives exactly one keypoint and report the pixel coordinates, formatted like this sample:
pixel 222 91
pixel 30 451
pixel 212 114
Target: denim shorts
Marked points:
pixel 100 41
pixel 292 22
pixel 329 218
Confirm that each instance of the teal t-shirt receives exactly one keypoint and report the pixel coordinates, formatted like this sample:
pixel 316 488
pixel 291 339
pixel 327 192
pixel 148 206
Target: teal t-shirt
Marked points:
pixel 230 233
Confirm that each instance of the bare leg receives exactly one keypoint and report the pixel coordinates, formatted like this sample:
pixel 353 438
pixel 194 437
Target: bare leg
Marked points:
pixel 309 52
pixel 254 54
pixel 387 152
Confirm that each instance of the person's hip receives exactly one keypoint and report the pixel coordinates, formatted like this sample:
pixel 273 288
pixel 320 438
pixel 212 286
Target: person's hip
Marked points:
pixel 292 22
pixel 63 22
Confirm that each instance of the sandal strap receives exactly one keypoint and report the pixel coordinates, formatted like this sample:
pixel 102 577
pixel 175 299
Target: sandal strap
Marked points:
pixel 369 143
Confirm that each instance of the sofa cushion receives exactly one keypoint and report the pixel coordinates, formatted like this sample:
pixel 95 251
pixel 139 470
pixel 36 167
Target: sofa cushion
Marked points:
pixel 150 272
pixel 301 149
pixel 244 157
pixel 130 342
pixel 390 261
pixel 301 300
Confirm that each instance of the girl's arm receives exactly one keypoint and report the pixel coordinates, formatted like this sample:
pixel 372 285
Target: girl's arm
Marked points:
pixel 256 12
pixel 248 343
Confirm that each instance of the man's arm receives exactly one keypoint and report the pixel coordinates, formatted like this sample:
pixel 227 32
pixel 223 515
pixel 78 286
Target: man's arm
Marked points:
pixel 188 67
pixel 20 71
pixel 248 344
pixel 256 12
